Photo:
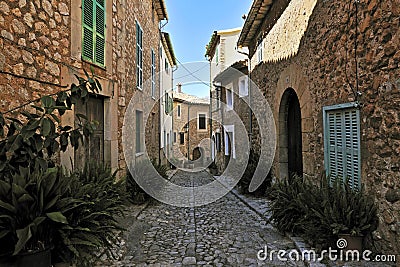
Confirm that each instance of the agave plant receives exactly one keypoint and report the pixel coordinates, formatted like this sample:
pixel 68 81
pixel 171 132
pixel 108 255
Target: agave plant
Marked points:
pixel 29 210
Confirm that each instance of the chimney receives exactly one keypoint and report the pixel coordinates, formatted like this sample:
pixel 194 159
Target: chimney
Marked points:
pixel 179 87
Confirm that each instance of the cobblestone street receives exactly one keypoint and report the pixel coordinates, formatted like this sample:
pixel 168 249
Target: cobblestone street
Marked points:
pixel 224 233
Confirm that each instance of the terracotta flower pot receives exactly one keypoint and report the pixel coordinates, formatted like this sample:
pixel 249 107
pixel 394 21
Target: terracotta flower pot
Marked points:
pixel 353 242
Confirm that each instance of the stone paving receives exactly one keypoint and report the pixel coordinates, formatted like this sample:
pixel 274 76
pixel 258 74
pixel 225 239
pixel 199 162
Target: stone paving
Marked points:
pixel 227 232
pixel 223 233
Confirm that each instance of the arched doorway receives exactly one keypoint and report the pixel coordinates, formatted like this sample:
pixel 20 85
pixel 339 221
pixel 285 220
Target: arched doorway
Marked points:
pixel 290 138
pixel 196 153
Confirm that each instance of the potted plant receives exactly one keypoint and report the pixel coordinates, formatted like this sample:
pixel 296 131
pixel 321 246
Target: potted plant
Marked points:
pixel 29 216
pixel 349 212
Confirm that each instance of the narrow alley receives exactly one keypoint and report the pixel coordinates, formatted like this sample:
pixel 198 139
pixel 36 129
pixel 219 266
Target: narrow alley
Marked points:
pixel 224 233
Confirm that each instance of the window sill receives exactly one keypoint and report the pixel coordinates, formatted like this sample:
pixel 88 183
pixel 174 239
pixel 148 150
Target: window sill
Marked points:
pixel 93 64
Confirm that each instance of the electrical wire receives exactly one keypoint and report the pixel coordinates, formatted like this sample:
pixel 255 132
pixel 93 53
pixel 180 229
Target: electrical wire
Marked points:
pixel 191 73
pixel 205 65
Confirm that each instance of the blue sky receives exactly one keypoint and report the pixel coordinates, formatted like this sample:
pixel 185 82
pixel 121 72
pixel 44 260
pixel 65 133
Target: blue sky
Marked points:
pixel 191 24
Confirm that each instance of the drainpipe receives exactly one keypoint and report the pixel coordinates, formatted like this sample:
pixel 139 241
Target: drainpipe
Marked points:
pixel 188 130
pixel 172 115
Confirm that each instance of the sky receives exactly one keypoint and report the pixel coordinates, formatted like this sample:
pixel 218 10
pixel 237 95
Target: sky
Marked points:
pixel 191 24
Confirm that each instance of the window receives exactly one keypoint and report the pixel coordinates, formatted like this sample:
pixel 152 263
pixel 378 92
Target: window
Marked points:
pixel 217 55
pixel 218 141
pixel 174 137
pixel 139 131
pixel 342 143
pixel 201 122
pixel 166 66
pixel 182 138
pixel 178 110
pixel 139 56
pixel 93 31
pixel 243 86
pixel 229 99
pixel 153 73
pixel 260 51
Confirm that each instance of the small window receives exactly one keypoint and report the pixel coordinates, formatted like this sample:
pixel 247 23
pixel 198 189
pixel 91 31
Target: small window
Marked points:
pixel 93 31
pixel 182 138
pixel 174 137
pixel 260 51
pixel 166 66
pixel 243 86
pixel 178 110
pixel 153 73
pixel 139 132
pixel 217 55
pixel 229 99
pixel 202 122
pixel 218 141
pixel 342 144
pixel 139 56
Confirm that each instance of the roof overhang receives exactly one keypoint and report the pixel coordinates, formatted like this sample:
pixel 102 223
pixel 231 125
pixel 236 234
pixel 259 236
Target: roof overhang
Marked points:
pixel 161 9
pixel 257 13
pixel 167 44
pixel 210 48
pixel 232 71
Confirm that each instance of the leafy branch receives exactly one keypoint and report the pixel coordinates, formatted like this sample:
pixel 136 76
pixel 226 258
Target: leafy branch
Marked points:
pixel 33 138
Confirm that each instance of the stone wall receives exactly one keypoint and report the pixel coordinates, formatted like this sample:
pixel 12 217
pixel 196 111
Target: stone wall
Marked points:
pixel 124 58
pixel 322 73
pixel 33 44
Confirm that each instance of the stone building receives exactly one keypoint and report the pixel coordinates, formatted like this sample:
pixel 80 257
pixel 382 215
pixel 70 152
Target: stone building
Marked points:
pixel 229 87
pixel 167 65
pixel 330 71
pixel 190 126
pixel 45 43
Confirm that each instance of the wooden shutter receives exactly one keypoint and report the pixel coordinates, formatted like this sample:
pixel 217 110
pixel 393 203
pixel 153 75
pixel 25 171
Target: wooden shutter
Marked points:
pixel 100 33
pixel 342 145
pixel 93 31
pixel 88 30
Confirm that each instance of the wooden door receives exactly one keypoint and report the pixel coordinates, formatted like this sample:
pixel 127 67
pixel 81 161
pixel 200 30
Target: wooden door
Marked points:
pixel 93 147
pixel 295 157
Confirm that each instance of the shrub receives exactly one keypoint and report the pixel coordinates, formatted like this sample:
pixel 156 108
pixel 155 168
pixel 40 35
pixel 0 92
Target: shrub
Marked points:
pixel 92 228
pixel 320 212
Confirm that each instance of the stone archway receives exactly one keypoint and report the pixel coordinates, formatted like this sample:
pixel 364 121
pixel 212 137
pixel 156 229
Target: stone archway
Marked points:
pixel 290 135
pixel 293 81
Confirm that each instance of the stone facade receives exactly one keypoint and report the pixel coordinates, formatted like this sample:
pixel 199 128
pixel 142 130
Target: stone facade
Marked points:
pixel 322 72
pixel 41 51
pixel 190 107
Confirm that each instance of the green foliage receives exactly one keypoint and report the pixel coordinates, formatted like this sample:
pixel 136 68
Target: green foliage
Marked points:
pixel 30 208
pixel 245 180
pixel 92 227
pixel 31 137
pixel 321 212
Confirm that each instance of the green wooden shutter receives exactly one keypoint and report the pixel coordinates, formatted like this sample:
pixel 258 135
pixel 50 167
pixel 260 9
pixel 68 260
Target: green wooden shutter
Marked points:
pixel 87 30
pixel 93 31
pixel 100 33
pixel 342 145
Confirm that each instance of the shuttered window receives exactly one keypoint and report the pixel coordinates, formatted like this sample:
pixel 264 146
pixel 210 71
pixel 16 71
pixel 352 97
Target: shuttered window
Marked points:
pixel 139 131
pixel 139 56
pixel 93 31
pixel 342 144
